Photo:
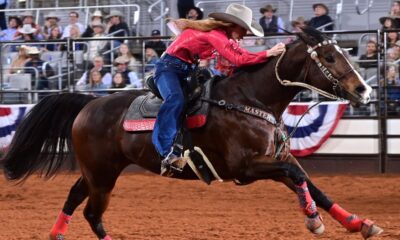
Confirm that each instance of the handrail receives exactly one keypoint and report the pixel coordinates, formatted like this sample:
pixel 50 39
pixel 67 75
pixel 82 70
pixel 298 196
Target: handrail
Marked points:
pixel 85 8
pixel 163 11
pixel 361 12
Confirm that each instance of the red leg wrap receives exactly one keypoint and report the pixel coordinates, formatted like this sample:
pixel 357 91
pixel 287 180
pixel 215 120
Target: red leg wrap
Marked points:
pixel 107 238
pixel 60 227
pixel 350 221
pixel 307 204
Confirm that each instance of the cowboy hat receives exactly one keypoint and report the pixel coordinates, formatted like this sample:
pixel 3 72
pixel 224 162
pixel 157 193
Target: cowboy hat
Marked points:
pixel 26 14
pixel 52 15
pixel 114 13
pixel 240 15
pixel 297 21
pixel 382 20
pixel 321 5
pixel 26 29
pixel 121 60
pixel 267 8
pixel 97 13
pixel 33 50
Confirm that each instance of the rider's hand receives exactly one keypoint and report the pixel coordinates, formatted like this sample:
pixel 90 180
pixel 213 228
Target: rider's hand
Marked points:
pixel 276 50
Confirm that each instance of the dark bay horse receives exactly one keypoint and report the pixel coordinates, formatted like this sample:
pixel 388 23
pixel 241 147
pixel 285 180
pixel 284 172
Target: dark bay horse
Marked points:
pixel 241 146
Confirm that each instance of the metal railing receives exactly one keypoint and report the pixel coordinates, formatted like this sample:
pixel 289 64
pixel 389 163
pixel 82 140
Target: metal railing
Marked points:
pixel 86 9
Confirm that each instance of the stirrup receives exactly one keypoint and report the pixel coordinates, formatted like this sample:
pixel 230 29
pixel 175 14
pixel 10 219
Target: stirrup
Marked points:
pixel 171 165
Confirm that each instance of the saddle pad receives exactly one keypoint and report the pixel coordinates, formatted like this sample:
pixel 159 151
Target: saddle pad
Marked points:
pixel 147 124
pixel 142 113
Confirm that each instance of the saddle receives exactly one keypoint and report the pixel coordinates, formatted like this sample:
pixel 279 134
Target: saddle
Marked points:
pixel 142 113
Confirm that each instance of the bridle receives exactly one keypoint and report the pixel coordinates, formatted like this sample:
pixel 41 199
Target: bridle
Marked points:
pixel 337 89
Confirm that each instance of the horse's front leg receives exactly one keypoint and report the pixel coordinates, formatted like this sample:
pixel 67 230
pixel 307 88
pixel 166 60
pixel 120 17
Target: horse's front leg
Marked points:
pixel 292 175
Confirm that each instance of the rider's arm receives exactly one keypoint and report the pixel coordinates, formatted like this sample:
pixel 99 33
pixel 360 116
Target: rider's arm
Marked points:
pixel 231 50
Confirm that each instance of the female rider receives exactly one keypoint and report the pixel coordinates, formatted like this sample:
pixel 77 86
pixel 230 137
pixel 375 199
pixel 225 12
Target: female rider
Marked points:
pixel 199 39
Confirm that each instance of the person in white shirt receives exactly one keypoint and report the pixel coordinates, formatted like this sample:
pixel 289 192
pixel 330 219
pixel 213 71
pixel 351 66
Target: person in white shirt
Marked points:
pixel 73 20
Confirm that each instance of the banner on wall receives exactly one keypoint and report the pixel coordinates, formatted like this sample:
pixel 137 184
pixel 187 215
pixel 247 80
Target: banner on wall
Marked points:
pixel 313 130
pixel 316 126
pixel 10 116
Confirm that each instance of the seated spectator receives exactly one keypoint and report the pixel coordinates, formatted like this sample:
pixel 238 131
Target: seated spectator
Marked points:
pixel 13 24
pixel 370 54
pixel 125 52
pixel 118 81
pixel 27 34
pixel 55 34
pixel 392 54
pixel 388 22
pixel 96 83
pixel 269 21
pixel 194 13
pixel 321 18
pixel 97 16
pixel 392 38
pixel 395 12
pixel 27 18
pixel 115 24
pixel 151 58
pixel 74 32
pixel 156 43
pixel 44 69
pixel 51 21
pixel 20 60
pixel 98 64
pixel 298 24
pixel 96 47
pixel 132 79
pixel 73 22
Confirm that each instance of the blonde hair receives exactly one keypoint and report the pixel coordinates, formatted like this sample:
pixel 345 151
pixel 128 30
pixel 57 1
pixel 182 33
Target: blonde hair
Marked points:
pixel 205 25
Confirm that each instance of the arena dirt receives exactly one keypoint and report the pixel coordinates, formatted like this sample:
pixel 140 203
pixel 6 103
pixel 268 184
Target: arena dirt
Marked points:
pixel 146 206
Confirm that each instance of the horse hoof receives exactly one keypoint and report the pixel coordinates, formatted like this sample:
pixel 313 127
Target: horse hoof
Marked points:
pixel 369 229
pixel 315 224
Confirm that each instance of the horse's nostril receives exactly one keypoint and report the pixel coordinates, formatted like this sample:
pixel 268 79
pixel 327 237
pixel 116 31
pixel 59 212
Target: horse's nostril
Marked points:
pixel 361 89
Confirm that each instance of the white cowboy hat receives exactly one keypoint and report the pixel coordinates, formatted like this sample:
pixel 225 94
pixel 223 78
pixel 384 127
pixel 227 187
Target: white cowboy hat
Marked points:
pixel 26 14
pixel 52 15
pixel 114 13
pixel 97 13
pixel 240 15
pixel 26 29
pixel 33 50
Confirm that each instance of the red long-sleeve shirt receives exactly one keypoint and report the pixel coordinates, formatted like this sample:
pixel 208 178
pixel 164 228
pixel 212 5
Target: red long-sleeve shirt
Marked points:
pixel 203 44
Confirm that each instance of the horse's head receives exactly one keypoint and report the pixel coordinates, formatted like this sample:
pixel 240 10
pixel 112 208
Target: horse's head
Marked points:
pixel 330 70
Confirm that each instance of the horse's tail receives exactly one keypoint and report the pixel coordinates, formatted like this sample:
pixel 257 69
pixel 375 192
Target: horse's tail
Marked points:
pixel 42 141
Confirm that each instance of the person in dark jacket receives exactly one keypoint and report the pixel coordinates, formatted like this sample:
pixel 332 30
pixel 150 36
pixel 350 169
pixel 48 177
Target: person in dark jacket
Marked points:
pixel 156 44
pixel 184 6
pixel 321 18
pixel 270 22
pixel 115 23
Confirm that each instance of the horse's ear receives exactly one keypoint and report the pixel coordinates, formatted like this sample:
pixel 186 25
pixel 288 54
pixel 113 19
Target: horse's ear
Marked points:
pixel 311 36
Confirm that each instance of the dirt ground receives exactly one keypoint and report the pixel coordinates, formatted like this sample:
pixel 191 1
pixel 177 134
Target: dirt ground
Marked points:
pixel 145 206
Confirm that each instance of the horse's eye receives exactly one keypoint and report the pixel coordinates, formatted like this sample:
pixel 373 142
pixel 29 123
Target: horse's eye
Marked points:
pixel 329 58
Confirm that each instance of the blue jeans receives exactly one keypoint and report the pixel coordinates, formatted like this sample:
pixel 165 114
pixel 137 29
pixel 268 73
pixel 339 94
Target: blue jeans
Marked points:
pixel 169 75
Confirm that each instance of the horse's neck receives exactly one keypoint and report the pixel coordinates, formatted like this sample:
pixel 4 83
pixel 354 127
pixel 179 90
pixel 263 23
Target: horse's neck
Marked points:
pixel 259 87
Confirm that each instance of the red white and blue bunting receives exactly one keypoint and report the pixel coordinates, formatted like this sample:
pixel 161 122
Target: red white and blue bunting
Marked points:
pixel 314 129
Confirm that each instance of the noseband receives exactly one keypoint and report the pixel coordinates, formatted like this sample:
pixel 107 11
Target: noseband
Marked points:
pixel 325 71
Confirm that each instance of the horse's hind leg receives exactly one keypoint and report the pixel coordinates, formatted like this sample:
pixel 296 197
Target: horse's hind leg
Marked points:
pixel 99 195
pixel 77 194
